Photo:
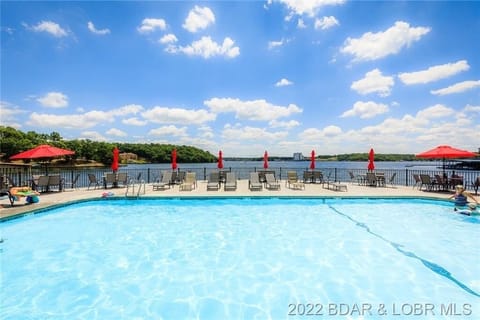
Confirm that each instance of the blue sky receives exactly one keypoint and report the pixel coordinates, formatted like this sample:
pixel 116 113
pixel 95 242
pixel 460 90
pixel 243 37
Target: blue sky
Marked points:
pixel 246 76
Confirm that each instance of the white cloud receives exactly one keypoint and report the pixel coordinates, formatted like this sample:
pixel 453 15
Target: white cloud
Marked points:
pixel 169 131
pixel 177 115
pixel 307 7
pixel 92 28
pixel 168 38
pixel 252 133
pixel 81 121
pixel 314 134
pixel 54 100
pixel 374 82
pixel 9 113
pixel 283 124
pixel 279 43
pixel 251 110
pixel 436 111
pixel 49 27
pixel 93 135
pixel 283 82
pixel 373 46
pixel 301 24
pixel 134 122
pixel 365 110
pixel 207 48
pixel 457 88
pixel 199 18
pixel 116 132
pixel 434 73
pixel 472 109
pixel 326 23
pixel 151 24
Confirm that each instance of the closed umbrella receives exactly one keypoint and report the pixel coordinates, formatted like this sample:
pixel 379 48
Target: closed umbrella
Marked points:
pixel 312 160
pixel 116 153
pixel 220 160
pixel 371 158
pixel 174 159
pixel 265 160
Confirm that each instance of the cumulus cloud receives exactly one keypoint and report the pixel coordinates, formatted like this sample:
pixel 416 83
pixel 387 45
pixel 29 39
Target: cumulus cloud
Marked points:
pixel 259 110
pixel 81 121
pixel 365 110
pixel 373 46
pixel 54 100
pixel 284 124
pixel 169 131
pixel 275 44
pixel 92 28
pixel 207 48
pixel 134 121
pixel 457 88
pixel 93 135
pixel 199 18
pixel 9 113
pixel 309 7
pixel 283 82
pixel 434 73
pixel 178 115
pixel 252 133
pixel 168 38
pixel 151 24
pixel 116 132
pixel 374 82
pixel 314 134
pixel 326 23
pixel 49 27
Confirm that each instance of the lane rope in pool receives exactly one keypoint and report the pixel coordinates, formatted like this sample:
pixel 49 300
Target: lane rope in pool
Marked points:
pixel 430 265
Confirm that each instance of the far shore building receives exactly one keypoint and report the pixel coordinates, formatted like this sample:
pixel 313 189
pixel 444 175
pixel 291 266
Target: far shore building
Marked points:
pixel 298 156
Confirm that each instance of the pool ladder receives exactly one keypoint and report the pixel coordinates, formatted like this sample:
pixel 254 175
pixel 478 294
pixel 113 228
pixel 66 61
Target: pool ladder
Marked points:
pixel 132 185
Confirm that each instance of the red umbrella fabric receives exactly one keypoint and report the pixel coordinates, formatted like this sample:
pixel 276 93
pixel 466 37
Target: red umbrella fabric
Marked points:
pixel 220 160
pixel 265 160
pixel 441 152
pixel 43 151
pixel 371 158
pixel 116 154
pixel 174 159
pixel 312 160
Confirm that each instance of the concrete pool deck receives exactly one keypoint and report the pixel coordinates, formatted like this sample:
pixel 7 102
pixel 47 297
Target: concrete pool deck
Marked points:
pixel 311 190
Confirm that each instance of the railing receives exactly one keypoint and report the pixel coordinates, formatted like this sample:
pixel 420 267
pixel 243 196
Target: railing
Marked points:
pixel 22 175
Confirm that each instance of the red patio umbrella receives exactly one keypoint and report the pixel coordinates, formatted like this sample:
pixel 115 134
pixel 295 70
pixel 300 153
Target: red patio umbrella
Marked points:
pixel 116 153
pixel 44 151
pixel 265 160
pixel 371 158
pixel 312 160
pixel 220 160
pixel 445 152
pixel 174 159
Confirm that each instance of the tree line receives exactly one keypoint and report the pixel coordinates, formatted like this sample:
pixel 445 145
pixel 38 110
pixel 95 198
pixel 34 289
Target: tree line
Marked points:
pixel 13 141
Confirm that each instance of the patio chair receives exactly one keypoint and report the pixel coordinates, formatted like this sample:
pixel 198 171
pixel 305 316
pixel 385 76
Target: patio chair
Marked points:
pixel 72 184
pixel 476 184
pixel 317 177
pixel 441 182
pixel 371 179
pixel 271 183
pixel 293 182
pixel 254 183
pixel 109 179
pixel 307 177
pixel 122 178
pixel 164 182
pixel 428 182
pixel 179 177
pixel 392 179
pixel 55 181
pixel 42 183
pixel 92 180
pixel 190 182
pixel 230 182
pixel 213 182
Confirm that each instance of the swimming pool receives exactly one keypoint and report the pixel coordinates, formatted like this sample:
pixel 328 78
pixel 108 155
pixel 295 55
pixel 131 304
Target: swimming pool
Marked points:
pixel 241 259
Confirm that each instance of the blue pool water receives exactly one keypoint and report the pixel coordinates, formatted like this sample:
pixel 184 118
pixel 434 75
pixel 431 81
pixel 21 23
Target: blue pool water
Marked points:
pixel 241 259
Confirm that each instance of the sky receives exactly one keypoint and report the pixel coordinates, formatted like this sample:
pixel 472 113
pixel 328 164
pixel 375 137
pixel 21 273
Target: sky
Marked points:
pixel 243 77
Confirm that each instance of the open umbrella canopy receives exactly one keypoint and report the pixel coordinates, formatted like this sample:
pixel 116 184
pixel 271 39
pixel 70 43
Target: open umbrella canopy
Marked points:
pixel 371 158
pixel 220 160
pixel 174 159
pixel 443 152
pixel 265 160
pixel 116 153
pixel 312 160
pixel 43 151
